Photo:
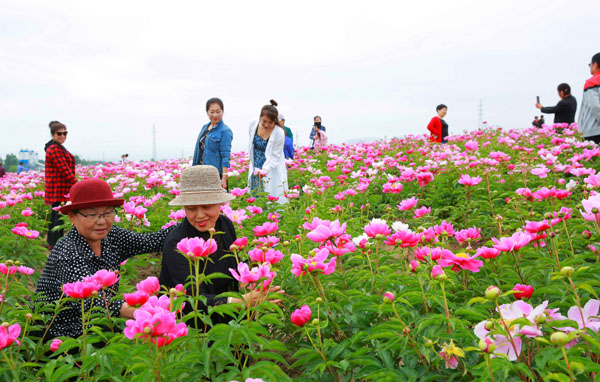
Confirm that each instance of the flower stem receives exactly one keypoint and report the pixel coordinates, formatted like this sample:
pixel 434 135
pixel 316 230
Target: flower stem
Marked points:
pixel 567 362
pixel 517 266
pixel 423 295
pixel 446 307
pixel 578 302
pixel 489 363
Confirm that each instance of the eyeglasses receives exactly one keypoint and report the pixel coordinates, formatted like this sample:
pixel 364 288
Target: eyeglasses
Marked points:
pixel 61 133
pixel 96 217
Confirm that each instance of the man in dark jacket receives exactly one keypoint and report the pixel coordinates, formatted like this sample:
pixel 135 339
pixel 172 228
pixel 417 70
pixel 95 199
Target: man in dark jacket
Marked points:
pixel 2 170
pixel 564 111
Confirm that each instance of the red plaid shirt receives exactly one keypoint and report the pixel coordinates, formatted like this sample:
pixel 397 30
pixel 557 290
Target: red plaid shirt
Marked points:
pixel 60 174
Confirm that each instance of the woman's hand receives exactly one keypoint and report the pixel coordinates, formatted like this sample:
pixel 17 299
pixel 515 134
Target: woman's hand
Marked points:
pixel 224 182
pixel 256 297
pixel 127 311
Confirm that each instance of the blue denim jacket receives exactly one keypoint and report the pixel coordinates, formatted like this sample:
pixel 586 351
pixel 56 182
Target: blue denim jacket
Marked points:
pixel 217 148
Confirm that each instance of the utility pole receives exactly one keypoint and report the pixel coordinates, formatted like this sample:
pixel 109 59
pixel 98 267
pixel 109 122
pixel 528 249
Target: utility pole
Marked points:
pixel 153 143
pixel 480 114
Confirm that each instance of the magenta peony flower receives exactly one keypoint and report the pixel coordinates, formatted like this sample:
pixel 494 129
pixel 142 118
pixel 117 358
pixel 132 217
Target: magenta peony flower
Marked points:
pixel 9 334
pixel 301 316
pixel 389 296
pixel 302 266
pixel 81 289
pixel 408 204
pixel 468 181
pixel 155 324
pixel 105 278
pixel 150 286
pixel 377 228
pixel 462 260
pixel 241 242
pixel 487 253
pixel 136 298
pixel 271 255
pixel 245 275
pixel 420 212
pixel 525 291
pixel 196 248
pixel 266 229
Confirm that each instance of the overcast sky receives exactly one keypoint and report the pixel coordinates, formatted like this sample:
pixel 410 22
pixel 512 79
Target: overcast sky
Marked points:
pixel 111 70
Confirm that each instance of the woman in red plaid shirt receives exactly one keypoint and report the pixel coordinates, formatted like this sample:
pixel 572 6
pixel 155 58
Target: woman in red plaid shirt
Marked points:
pixel 60 176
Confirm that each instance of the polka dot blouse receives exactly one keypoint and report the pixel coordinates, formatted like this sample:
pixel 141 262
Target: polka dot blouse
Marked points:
pixel 72 259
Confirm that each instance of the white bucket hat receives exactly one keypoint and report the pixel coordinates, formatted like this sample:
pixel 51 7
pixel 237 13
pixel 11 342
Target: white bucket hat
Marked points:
pixel 200 185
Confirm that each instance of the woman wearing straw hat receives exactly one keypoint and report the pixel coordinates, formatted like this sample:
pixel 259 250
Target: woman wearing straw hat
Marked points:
pixel 267 170
pixel 202 196
pixel 91 245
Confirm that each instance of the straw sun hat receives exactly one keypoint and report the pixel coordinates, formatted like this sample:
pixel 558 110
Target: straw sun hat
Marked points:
pixel 200 185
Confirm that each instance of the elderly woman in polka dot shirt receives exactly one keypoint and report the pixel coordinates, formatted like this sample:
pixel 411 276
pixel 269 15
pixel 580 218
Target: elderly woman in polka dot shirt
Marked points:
pixel 91 245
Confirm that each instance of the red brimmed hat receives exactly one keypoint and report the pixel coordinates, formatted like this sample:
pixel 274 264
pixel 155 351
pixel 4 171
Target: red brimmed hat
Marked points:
pixel 90 193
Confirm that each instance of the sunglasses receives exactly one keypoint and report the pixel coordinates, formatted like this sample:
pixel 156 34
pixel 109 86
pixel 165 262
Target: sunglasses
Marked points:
pixel 61 133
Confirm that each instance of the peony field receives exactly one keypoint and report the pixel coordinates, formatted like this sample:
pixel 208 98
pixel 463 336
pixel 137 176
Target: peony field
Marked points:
pixel 401 260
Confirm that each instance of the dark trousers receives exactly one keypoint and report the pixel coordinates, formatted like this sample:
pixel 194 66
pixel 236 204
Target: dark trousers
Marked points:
pixel 593 138
pixel 55 220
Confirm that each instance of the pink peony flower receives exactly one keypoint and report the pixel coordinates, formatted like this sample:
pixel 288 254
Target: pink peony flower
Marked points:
pixel 525 291
pixel 25 270
pixel 196 248
pixel 239 191
pixel 468 181
pixel 149 286
pixel 27 212
pixel 301 316
pixel 9 334
pixel 462 260
pixel 105 278
pixel 487 253
pixel 302 266
pixel 271 256
pixel 241 242
pixel 245 275
pixel 403 239
pixel 81 289
pixel 377 228
pixel 517 241
pixel 136 298
pixel 324 232
pixel 420 212
pixel 408 204
pixel 155 324
pixel 266 229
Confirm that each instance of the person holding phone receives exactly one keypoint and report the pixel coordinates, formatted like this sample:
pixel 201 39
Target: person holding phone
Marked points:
pixel 317 124
pixel 564 111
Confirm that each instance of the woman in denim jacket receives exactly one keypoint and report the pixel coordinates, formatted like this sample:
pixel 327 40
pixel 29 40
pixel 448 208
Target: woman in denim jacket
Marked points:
pixel 213 146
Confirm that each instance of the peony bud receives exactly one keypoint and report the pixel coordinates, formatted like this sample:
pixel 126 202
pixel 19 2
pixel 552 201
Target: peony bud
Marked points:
pixel 486 345
pixel 567 271
pixel 406 331
pixel 539 318
pixel 586 234
pixel 492 293
pixel 28 316
pixel 388 297
pixel 315 321
pixel 559 338
pixel 489 326
pixel 437 272
pixel 319 299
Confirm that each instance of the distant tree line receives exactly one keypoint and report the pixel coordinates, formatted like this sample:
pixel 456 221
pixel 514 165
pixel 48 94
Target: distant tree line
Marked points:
pixel 11 161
